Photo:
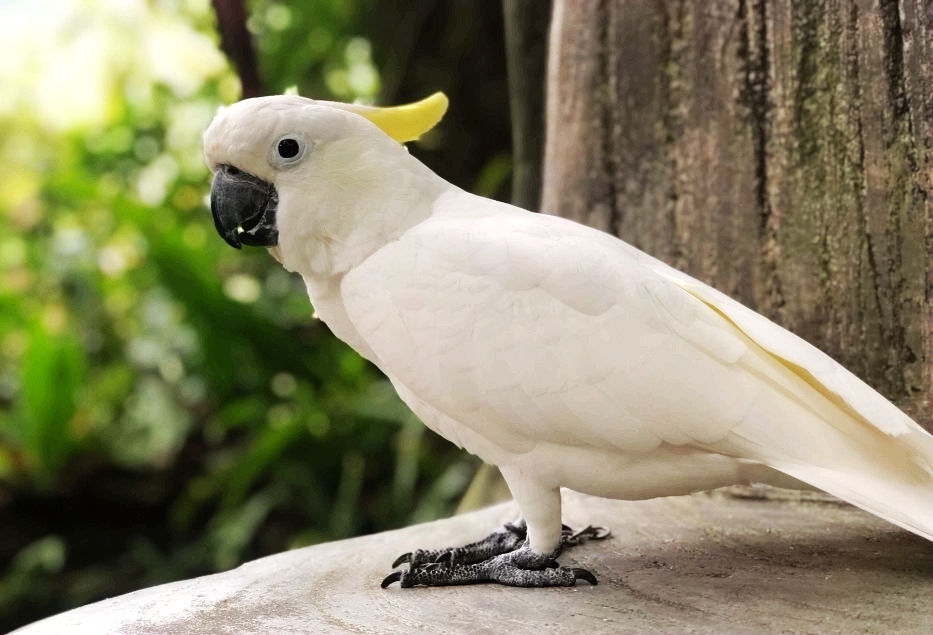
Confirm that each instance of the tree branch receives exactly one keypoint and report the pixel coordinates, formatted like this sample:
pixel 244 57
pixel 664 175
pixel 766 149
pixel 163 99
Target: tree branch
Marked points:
pixel 237 45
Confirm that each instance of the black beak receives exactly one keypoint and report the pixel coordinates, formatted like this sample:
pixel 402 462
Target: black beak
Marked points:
pixel 244 208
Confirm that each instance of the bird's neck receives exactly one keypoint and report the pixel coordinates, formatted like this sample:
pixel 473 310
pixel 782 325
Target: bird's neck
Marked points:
pixel 348 216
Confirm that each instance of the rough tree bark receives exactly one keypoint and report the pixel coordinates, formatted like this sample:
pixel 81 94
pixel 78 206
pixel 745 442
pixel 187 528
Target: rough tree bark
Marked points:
pixel 526 32
pixel 779 150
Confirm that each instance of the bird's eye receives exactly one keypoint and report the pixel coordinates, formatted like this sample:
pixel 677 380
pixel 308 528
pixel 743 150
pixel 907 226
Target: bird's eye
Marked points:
pixel 288 148
pixel 287 151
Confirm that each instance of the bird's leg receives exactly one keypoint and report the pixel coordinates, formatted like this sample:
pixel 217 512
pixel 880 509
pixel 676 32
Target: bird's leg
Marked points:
pixel 518 554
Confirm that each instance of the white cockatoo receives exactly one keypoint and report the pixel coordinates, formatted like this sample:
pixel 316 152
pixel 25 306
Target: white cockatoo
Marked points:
pixel 559 353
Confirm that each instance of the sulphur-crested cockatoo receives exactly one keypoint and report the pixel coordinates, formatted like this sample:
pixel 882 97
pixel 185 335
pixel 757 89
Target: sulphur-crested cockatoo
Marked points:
pixel 554 351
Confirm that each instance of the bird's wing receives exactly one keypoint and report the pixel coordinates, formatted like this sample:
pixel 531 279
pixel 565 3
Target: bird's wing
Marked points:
pixel 552 331
pixel 799 356
pixel 525 327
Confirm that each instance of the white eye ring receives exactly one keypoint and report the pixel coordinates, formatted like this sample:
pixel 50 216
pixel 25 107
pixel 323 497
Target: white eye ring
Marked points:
pixel 288 150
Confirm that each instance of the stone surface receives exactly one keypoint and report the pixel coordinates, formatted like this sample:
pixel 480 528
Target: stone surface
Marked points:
pixel 711 563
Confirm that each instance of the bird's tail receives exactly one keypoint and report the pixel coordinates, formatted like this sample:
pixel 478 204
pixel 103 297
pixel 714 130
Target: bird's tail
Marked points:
pixel 893 497
pixel 887 484
pixel 893 488
pixel 813 438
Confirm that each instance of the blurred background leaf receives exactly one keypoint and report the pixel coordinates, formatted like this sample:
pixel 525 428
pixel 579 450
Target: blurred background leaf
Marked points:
pixel 168 407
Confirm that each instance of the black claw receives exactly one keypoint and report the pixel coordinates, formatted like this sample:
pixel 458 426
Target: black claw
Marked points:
pixel 580 574
pixel 395 576
pixel 405 557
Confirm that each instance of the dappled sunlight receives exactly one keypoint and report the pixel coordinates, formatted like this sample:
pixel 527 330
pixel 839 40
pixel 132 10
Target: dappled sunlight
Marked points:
pixel 81 63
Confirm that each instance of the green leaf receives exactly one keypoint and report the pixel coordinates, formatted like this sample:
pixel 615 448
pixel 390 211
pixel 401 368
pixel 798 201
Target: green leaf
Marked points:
pixel 52 372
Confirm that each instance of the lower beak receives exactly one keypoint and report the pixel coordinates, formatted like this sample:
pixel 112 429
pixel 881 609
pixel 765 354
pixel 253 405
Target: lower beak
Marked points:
pixel 243 207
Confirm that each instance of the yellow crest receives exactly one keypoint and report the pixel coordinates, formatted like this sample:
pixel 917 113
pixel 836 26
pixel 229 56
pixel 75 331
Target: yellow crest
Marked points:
pixel 409 121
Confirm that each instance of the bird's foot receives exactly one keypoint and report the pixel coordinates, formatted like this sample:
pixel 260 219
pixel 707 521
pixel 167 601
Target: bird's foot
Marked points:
pixel 521 567
pixel 507 538
pixel 503 556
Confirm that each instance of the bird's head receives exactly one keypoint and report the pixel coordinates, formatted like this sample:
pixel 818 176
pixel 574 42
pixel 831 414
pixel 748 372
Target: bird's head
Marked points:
pixel 291 161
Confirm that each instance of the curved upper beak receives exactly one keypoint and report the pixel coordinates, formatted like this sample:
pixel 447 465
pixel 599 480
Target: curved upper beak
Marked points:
pixel 243 207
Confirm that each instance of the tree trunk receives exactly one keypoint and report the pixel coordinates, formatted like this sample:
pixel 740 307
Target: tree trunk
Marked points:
pixel 526 32
pixel 780 151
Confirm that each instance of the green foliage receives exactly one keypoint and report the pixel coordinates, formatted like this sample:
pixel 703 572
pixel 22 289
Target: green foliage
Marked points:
pixel 169 407
pixel 41 421
pixel 314 44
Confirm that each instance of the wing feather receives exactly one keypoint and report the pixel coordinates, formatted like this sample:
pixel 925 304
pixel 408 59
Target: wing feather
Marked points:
pixel 521 328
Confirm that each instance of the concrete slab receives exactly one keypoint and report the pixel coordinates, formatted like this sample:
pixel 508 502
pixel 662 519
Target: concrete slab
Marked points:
pixel 709 563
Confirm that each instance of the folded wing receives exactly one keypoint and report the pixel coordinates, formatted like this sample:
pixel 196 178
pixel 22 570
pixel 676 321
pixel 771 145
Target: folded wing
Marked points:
pixel 526 328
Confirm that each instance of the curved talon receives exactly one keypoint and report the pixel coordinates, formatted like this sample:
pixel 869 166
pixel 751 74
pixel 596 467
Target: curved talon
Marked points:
pixel 583 574
pixel 395 576
pixel 405 557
